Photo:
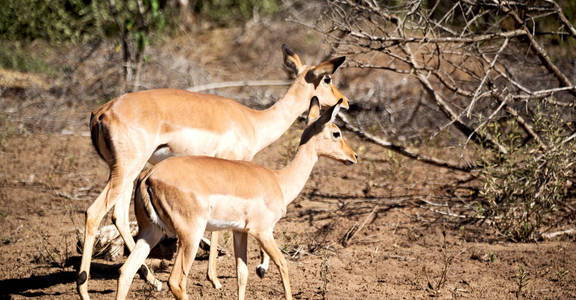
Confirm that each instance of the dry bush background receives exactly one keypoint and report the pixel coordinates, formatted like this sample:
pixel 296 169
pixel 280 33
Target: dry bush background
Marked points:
pixel 496 74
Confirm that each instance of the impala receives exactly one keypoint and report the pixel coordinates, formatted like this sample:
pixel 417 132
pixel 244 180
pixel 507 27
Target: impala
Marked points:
pixel 186 195
pixel 150 126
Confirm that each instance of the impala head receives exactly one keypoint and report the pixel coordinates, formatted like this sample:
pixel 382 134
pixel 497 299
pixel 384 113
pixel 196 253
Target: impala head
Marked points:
pixel 325 135
pixel 318 76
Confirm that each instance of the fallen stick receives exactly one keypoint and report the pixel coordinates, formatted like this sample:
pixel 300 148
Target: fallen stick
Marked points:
pixel 402 258
pixel 552 235
pixel 355 228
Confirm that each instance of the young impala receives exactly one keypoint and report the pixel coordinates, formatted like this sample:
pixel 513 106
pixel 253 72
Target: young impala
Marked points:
pixel 156 124
pixel 186 195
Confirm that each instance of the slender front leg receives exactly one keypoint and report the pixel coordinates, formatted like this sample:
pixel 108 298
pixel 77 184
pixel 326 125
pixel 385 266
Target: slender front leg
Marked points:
pixel 269 245
pixel 212 274
pixel 240 252
pixel 188 246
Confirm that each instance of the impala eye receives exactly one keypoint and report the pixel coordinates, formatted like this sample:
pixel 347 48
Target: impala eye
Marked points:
pixel 336 134
pixel 327 79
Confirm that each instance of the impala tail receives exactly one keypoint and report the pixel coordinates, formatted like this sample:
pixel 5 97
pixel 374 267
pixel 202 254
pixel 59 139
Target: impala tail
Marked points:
pixel 101 135
pixel 143 202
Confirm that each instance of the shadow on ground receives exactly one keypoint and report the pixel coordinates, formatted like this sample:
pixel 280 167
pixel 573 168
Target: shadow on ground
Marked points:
pixel 27 286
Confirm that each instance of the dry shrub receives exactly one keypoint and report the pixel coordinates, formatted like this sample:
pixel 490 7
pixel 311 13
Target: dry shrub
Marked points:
pixel 494 73
pixel 528 191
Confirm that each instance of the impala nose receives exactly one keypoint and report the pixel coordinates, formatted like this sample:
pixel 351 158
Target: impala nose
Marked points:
pixel 345 104
pixel 352 161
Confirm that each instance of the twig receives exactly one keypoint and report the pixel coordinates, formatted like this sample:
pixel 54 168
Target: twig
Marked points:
pixel 571 137
pixel 540 51
pixel 478 38
pixel 355 229
pixel 451 214
pixel 552 235
pixel 479 88
pixel 523 123
pixel 546 93
pixel 400 149
pixel 563 18
pixel 229 84
pixel 431 203
pixel 486 139
pixel 402 258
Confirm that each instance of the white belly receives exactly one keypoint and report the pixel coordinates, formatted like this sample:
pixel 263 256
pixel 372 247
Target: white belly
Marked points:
pixel 206 143
pixel 217 225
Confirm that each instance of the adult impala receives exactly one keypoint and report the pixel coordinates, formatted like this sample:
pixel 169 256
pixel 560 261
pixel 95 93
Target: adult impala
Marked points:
pixel 187 195
pixel 153 125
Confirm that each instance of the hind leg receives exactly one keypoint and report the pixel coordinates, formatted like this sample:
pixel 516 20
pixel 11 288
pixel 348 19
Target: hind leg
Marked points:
pixel 121 220
pixel 117 193
pixel 149 237
pixel 94 216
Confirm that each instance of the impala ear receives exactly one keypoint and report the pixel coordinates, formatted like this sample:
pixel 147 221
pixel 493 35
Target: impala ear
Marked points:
pixel 316 125
pixel 329 66
pixel 330 115
pixel 324 68
pixel 313 111
pixel 291 60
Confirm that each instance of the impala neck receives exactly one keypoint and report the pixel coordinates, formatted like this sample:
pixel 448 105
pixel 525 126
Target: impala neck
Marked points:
pixel 271 123
pixel 293 177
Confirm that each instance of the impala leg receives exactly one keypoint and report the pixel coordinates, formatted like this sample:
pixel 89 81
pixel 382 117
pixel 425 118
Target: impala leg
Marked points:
pixel 212 274
pixel 262 268
pixel 188 246
pixel 240 250
pixel 269 245
pixel 121 220
pixel 149 237
pixel 94 216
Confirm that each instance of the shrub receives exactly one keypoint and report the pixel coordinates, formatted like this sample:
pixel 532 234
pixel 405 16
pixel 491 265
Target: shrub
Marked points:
pixel 76 20
pixel 527 191
pixel 224 12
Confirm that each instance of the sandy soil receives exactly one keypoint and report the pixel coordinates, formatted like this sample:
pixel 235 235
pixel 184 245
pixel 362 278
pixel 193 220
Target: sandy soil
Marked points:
pixel 401 253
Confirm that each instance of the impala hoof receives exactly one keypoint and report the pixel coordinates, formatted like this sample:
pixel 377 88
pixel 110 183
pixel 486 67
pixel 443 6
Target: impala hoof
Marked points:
pixel 261 271
pixel 82 277
pixel 159 286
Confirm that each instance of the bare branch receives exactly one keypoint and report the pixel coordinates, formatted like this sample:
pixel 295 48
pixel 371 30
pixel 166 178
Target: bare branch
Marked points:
pixel 563 18
pixel 540 51
pixel 523 123
pixel 475 39
pixel 229 84
pixel 475 97
pixel 400 149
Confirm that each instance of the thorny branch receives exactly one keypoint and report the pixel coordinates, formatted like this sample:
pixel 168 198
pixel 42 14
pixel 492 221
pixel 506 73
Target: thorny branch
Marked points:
pixel 467 56
pixel 496 73
pixel 400 149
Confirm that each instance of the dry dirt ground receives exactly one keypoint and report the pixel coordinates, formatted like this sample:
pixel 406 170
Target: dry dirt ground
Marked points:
pixel 401 249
